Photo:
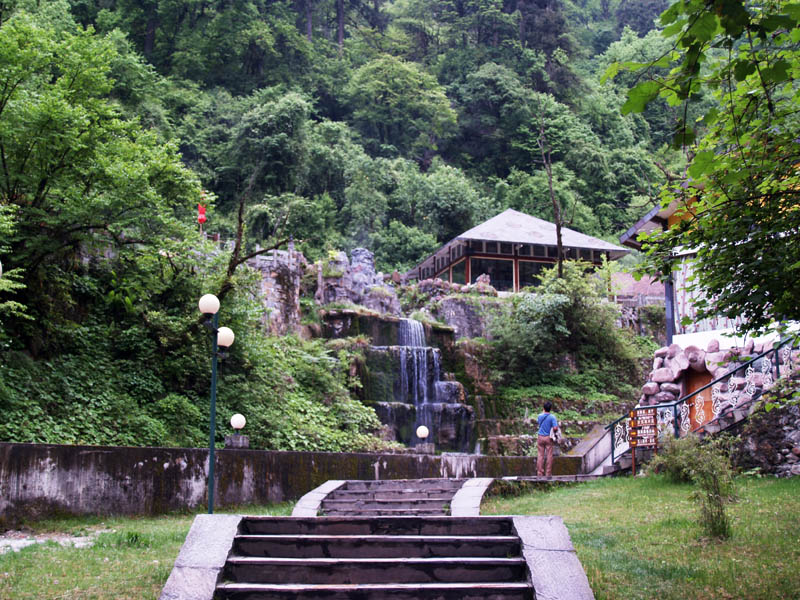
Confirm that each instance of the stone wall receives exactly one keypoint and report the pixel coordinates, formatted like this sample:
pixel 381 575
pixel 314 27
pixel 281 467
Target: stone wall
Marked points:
pixel 37 480
pixel 770 442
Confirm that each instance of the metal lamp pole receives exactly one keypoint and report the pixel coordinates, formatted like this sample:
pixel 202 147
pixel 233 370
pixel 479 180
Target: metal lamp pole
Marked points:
pixel 213 417
pixel 220 337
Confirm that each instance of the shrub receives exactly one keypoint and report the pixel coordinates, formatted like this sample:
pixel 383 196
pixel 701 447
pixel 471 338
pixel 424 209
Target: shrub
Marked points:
pixel 707 465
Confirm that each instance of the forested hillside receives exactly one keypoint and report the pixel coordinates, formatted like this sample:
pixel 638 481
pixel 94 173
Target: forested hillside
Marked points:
pixel 393 125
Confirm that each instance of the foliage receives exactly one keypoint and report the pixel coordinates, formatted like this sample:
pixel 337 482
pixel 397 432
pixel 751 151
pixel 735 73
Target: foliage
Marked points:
pixel 739 202
pixel 130 559
pixel 400 105
pixel 394 125
pixel 566 328
pixel 636 538
pixel 707 464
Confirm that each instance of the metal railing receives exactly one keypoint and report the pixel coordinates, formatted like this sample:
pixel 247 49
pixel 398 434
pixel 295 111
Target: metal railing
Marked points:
pixel 674 418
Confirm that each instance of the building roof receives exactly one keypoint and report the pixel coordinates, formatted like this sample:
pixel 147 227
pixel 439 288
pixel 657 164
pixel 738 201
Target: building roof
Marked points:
pixel 519 228
pixel 655 219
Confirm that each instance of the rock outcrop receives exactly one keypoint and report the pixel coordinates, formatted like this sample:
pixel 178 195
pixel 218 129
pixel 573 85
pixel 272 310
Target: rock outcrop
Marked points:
pixel 355 281
pixel 281 275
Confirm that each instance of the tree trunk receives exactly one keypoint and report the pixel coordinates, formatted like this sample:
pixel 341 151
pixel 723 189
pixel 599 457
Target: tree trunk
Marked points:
pixel 150 35
pixel 523 9
pixel 309 20
pixel 340 23
pixel 548 167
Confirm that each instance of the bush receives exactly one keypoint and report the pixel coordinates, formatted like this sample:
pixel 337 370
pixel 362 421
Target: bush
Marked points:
pixel 707 465
pixel 566 334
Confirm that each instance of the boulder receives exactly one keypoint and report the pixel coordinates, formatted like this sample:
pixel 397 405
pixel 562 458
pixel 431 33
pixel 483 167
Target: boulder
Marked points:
pixel 716 360
pixel 650 388
pixel 672 388
pixel 713 346
pixel 658 362
pixel 678 363
pixel 662 352
pixel 696 358
pixel 664 397
pixel 737 383
pixel 749 346
pixel 674 350
pixel 663 375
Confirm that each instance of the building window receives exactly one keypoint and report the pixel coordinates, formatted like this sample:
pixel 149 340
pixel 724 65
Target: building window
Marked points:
pixel 459 272
pixel 539 251
pixel 552 252
pixel 524 250
pixel 500 272
pixel 586 254
pixel 476 246
pixel 506 248
pixel 528 271
pixel 491 247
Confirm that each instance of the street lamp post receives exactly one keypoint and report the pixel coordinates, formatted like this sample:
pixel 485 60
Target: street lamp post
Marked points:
pixel 220 337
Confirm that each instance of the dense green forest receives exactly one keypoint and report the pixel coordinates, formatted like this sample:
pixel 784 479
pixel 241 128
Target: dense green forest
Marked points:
pixel 393 125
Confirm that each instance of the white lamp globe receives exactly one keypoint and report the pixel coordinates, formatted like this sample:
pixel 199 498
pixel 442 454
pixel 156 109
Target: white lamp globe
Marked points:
pixel 209 304
pixel 422 432
pixel 224 337
pixel 238 421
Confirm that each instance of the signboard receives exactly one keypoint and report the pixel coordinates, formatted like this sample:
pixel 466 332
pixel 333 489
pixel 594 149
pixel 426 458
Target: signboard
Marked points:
pixel 644 428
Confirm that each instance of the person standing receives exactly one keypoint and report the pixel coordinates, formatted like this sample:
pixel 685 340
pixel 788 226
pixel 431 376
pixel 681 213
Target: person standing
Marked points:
pixel 544 444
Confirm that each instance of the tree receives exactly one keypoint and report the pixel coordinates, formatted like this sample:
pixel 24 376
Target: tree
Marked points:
pixel 741 197
pixel 77 179
pixel 402 106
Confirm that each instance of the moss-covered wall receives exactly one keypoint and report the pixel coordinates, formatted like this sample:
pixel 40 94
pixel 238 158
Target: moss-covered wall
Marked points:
pixel 38 480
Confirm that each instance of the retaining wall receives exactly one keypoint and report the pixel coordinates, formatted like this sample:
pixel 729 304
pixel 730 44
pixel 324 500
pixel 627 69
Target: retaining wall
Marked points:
pixel 42 479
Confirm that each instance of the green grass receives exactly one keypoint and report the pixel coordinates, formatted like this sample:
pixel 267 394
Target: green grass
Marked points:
pixel 131 560
pixel 638 538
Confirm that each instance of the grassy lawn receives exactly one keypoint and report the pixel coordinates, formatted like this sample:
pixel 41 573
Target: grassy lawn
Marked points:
pixel 637 538
pixel 130 560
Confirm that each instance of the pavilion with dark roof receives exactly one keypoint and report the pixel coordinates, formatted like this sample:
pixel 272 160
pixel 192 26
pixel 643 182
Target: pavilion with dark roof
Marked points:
pixel 512 248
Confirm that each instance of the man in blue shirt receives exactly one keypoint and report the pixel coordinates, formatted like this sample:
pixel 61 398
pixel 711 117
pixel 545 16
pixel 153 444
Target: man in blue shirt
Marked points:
pixel 544 445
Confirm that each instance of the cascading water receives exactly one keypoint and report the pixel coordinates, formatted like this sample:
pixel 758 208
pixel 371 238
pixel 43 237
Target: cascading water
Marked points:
pixel 418 397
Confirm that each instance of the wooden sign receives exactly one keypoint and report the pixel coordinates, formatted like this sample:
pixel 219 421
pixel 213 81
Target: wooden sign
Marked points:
pixel 643 428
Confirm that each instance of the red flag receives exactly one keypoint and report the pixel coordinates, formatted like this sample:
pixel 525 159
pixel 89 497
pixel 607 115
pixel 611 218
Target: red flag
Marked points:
pixel 201 214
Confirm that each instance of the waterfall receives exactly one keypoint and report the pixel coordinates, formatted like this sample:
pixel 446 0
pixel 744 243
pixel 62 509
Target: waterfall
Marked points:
pixel 418 397
pixel 411 333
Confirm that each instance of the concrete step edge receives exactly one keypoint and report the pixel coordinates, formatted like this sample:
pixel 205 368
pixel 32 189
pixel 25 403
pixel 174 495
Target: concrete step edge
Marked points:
pixel 317 562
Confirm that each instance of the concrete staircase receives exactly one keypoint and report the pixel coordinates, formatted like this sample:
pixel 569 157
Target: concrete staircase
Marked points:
pixel 393 497
pixel 371 558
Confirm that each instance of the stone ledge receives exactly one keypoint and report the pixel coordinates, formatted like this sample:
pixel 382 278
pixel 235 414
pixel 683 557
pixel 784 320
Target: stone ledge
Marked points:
pixel 202 558
pixel 308 505
pixel 554 568
pixel 467 500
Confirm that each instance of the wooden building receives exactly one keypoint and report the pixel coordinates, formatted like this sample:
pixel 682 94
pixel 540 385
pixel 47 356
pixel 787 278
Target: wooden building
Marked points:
pixel 679 297
pixel 512 248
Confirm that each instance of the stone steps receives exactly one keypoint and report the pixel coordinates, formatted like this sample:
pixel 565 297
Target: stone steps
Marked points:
pixel 408 485
pixel 355 511
pixel 374 558
pixel 255 569
pixel 379 494
pixel 397 591
pixel 409 504
pixel 390 497
pixel 379 546
pixel 403 525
